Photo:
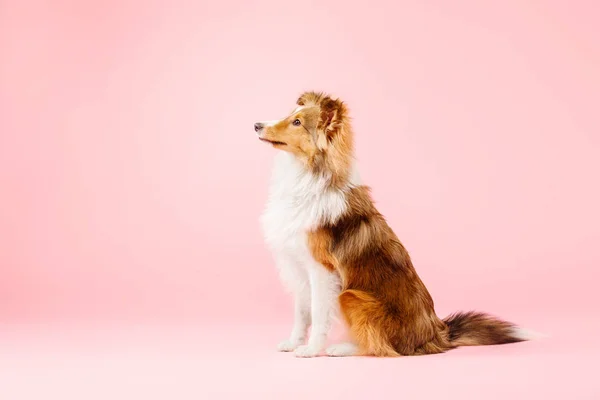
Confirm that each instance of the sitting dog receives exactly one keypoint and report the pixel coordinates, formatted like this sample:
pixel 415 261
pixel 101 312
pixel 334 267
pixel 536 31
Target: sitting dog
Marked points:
pixel 336 252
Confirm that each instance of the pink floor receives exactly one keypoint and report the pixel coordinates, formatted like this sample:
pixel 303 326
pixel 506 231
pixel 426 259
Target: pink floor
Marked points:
pixel 234 362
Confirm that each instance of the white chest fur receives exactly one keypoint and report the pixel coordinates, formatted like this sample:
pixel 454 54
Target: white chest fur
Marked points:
pixel 298 202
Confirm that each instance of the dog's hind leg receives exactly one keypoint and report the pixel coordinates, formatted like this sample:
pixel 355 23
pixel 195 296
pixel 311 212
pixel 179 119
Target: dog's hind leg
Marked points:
pixel 366 317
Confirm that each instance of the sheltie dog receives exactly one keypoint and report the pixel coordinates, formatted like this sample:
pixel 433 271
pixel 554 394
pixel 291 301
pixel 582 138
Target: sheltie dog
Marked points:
pixel 336 253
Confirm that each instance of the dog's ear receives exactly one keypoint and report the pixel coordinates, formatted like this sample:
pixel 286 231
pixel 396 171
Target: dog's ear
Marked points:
pixel 332 115
pixel 310 98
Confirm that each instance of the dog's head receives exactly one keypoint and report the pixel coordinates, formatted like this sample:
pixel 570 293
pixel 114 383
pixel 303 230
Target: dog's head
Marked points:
pixel 309 130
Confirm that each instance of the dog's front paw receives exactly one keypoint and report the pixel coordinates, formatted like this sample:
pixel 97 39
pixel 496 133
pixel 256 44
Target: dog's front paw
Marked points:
pixel 288 345
pixel 306 351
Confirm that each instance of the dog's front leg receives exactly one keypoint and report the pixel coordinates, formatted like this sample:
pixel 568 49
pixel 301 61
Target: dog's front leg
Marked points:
pixel 295 278
pixel 301 318
pixel 324 291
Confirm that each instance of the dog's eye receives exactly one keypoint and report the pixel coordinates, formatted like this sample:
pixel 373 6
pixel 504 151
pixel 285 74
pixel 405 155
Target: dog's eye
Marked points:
pixel 296 122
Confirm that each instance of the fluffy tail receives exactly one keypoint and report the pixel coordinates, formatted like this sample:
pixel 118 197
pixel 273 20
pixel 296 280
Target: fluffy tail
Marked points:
pixel 479 329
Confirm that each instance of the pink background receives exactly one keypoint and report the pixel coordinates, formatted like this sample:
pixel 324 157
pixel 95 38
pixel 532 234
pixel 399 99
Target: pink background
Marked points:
pixel 131 183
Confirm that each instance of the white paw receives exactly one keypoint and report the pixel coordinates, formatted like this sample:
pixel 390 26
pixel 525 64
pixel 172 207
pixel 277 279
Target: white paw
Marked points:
pixel 342 350
pixel 288 345
pixel 307 351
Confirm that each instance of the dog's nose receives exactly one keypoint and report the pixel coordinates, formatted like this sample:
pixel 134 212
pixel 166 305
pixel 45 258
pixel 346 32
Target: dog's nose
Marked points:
pixel 258 126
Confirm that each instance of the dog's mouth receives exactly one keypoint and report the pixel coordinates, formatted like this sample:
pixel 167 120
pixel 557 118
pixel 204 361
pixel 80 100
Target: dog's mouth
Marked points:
pixel 273 142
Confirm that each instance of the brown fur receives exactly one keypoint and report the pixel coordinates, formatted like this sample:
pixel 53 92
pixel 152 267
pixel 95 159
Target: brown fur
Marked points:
pixel 317 142
pixel 384 302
